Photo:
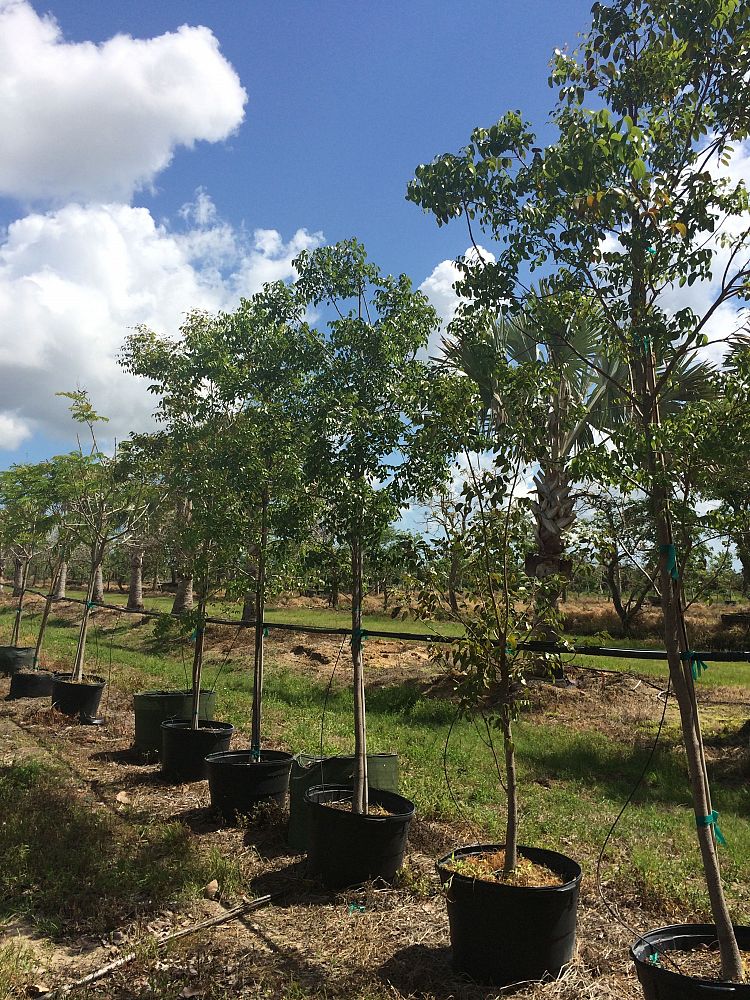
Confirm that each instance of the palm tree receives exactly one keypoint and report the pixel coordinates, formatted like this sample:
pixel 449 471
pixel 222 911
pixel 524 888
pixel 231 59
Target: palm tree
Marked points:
pixel 562 333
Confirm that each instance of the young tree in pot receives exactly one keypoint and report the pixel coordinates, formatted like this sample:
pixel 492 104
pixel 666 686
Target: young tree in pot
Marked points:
pixel 103 506
pixel 624 204
pixel 25 524
pixel 239 380
pixel 62 474
pixel 369 397
pixel 512 909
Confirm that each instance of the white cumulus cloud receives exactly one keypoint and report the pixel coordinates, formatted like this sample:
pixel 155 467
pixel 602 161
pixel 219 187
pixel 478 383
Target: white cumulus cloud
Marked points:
pixel 439 287
pixel 12 431
pixel 96 122
pixel 75 281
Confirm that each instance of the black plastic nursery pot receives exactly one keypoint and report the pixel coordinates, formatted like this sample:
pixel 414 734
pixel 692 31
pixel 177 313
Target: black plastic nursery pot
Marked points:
pixel 30 684
pixel 77 697
pixel 503 933
pixel 151 708
pixel 348 848
pixel 14 658
pixel 661 980
pixel 239 781
pixel 184 750
pixel 307 771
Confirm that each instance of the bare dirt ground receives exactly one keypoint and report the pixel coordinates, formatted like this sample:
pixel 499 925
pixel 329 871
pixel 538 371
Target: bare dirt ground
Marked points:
pixel 370 943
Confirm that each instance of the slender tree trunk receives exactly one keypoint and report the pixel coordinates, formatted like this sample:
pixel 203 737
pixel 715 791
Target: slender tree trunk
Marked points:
pixel 360 804
pixel 173 576
pixel 183 598
pixel 19 609
pixel 334 598
pixel 260 608
pixel 54 587
pixel 2 566
pixel 98 592
pixel 80 657
pixel 198 662
pixel 675 631
pixel 453 575
pixel 680 672
pixel 135 588
pixel 58 591
pixel 511 784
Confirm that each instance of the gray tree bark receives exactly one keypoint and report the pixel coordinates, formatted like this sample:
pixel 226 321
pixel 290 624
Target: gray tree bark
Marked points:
pixel 58 592
pixel 135 589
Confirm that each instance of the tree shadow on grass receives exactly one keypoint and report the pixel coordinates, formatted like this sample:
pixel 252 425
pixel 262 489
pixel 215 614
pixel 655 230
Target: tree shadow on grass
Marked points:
pixel 71 869
pixel 613 770
pixel 406 700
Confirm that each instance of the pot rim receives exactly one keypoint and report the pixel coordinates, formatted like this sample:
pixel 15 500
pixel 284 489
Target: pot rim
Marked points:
pixel 221 757
pixel 88 680
pixel 203 724
pixel 505 886
pixel 174 691
pixel 373 794
pixel 698 931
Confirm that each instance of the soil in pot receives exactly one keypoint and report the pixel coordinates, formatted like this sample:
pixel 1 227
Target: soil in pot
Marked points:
pixel 30 684
pixel 382 774
pixel 504 932
pixel 240 780
pixel 80 698
pixel 14 658
pixel 184 750
pixel 346 848
pixel 681 962
pixel 154 707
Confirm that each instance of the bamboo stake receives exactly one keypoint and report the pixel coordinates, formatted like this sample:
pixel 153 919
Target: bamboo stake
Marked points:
pixel 93 977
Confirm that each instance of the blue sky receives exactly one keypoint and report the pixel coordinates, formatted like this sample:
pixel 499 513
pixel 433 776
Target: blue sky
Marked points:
pixel 140 183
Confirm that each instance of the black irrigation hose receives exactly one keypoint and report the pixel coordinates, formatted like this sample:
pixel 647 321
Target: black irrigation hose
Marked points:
pixel 533 646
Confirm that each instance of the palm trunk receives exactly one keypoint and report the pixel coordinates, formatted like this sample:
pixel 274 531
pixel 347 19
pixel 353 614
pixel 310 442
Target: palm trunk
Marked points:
pixel 360 803
pixel 260 608
pixel 135 588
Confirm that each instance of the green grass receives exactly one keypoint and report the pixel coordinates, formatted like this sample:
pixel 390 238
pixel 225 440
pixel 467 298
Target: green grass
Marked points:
pixel 573 782
pixel 68 866
pixel 316 617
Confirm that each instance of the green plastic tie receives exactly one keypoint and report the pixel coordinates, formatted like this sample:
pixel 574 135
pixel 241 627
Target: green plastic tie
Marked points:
pixel 356 908
pixel 651 250
pixel 194 635
pixel 255 754
pixel 712 820
pixel 360 634
pixel 653 958
pixel 265 631
pixel 697 665
pixel 670 551
pixel 90 604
